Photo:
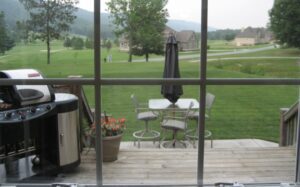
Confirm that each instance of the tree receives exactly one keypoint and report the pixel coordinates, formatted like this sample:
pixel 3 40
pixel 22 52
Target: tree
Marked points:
pixel 229 37
pixel 227 34
pixel 67 42
pixel 151 17
pixel 2 33
pixel 49 18
pixel 141 22
pixel 89 44
pixel 77 43
pixel 108 45
pixel 6 43
pixel 285 22
pixel 116 42
pixel 22 33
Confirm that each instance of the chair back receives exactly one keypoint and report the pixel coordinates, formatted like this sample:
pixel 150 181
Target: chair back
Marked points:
pixel 135 103
pixel 186 117
pixel 188 109
pixel 210 98
pixel 177 114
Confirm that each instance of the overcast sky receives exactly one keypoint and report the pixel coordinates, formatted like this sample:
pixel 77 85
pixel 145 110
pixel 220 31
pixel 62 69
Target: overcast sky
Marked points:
pixel 222 14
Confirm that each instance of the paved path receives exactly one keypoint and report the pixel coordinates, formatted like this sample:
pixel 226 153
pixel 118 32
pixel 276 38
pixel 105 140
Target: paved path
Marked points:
pixel 53 51
pixel 3 56
pixel 257 57
pixel 243 51
pixel 249 58
pixel 197 56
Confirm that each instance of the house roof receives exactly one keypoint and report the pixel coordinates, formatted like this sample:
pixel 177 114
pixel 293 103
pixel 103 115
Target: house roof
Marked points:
pixel 184 36
pixel 168 30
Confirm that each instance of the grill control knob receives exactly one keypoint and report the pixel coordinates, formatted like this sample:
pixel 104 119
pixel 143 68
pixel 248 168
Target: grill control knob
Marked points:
pixel 48 107
pixel 23 116
pixel 32 110
pixel 8 115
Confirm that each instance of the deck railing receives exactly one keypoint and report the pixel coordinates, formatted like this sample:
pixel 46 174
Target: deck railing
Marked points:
pixel 289 124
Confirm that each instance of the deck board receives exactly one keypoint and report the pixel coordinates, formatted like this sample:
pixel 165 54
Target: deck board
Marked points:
pixel 163 166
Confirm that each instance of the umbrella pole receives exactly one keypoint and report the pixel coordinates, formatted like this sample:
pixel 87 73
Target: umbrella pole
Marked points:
pixel 174 140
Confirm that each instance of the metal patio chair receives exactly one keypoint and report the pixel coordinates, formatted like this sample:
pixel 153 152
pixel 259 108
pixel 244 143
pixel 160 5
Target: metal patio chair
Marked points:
pixel 176 120
pixel 144 114
pixel 192 134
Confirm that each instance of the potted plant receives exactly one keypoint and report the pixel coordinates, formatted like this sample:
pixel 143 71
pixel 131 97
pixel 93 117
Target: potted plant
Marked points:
pixel 112 131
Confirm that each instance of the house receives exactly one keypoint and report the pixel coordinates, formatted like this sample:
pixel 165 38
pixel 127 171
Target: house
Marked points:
pixel 253 36
pixel 187 40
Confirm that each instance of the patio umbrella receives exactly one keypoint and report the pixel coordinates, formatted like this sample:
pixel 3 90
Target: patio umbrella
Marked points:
pixel 171 70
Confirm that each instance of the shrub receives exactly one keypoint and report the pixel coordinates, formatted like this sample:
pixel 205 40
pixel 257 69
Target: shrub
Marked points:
pixel 219 65
pixel 251 69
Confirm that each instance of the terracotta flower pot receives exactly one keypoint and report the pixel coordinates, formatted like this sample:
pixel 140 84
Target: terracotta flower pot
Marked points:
pixel 111 146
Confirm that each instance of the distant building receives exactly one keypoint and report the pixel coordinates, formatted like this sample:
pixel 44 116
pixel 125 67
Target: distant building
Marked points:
pixel 253 36
pixel 123 44
pixel 186 39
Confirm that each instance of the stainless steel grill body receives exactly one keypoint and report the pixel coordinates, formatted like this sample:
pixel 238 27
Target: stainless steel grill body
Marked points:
pixel 38 131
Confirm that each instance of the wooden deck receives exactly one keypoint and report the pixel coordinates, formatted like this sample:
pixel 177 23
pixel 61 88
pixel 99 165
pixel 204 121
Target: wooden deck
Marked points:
pixel 165 166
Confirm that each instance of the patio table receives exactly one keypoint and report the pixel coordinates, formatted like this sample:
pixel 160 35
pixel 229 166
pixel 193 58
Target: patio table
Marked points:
pixel 163 104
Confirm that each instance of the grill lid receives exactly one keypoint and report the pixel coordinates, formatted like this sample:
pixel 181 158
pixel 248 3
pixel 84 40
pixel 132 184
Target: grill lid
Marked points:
pixel 22 95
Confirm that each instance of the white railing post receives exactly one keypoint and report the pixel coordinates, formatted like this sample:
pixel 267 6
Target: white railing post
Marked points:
pixel 283 128
pixel 297 179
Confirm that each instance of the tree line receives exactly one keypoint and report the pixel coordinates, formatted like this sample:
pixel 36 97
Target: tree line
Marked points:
pixel 78 43
pixel 226 34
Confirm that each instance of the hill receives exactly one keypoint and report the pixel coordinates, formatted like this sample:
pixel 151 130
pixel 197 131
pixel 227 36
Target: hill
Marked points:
pixel 14 11
pixel 83 25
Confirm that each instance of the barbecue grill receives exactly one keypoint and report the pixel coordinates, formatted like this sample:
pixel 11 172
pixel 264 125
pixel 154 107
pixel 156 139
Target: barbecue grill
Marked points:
pixel 38 129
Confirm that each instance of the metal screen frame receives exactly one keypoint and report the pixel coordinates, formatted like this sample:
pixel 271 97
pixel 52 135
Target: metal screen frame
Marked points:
pixel 202 82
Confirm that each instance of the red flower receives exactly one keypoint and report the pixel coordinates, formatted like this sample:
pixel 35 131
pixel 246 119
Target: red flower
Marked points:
pixel 110 126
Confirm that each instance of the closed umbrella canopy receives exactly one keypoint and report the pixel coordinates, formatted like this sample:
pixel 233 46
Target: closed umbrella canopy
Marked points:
pixel 171 70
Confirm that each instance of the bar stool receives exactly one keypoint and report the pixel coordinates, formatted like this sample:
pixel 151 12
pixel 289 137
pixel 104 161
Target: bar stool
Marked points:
pixel 144 114
pixel 175 120
pixel 192 134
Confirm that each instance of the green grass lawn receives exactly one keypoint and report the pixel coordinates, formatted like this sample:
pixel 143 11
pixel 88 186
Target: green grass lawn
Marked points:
pixel 267 68
pixel 238 111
